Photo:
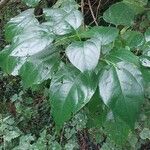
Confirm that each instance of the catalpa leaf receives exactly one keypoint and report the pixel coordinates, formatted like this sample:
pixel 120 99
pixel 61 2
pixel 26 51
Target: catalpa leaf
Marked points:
pixel 6 63
pixel 63 22
pixel 31 41
pixel 84 55
pixel 97 112
pixel 119 14
pixel 31 55
pixel 133 39
pixel 34 69
pixel 137 6
pixel 70 90
pixel 20 23
pixel 105 35
pixel 117 130
pixel 122 54
pixel 39 67
pixel 121 88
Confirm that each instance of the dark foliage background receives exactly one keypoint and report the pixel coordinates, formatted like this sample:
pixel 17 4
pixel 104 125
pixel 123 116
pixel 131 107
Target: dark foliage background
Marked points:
pixel 25 115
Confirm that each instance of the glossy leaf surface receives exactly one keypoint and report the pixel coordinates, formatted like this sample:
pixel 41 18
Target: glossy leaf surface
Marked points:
pixel 70 91
pixel 121 88
pixel 20 23
pixel 98 68
pixel 84 55
pixel 39 68
pixel 105 35
pixel 119 55
pixel 63 21
pixel 30 51
pixel 31 41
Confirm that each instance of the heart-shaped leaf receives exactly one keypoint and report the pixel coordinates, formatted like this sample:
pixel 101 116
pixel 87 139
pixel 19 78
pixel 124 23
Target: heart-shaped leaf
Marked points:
pixel 39 67
pixel 137 6
pixel 105 35
pixel 133 39
pixel 70 90
pixel 20 23
pixel 117 130
pixel 31 41
pixel 63 22
pixel 31 55
pixel 121 88
pixel 122 54
pixel 84 55
pixel 119 14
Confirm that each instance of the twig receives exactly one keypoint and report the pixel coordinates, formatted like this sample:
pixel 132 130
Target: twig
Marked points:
pixel 99 4
pixel 3 2
pixel 86 4
pixel 61 135
pixel 82 6
pixel 82 9
pixel 92 13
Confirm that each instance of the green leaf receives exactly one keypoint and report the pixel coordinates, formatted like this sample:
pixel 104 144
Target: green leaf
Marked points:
pixel 105 35
pixel 41 142
pixel 147 35
pixel 145 60
pixel 20 23
pixel 105 49
pixel 25 142
pixel 84 55
pixel 133 140
pixel 8 63
pixel 146 75
pixel 31 3
pixel 66 3
pixel 39 68
pixel 63 21
pixel 133 39
pixel 70 90
pixel 122 55
pixel 109 145
pixel 136 5
pixel 146 49
pixel 119 14
pixel 145 134
pixel 31 41
pixel 8 130
pixel 117 130
pixel 31 55
pixel 121 88
pixel 96 111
